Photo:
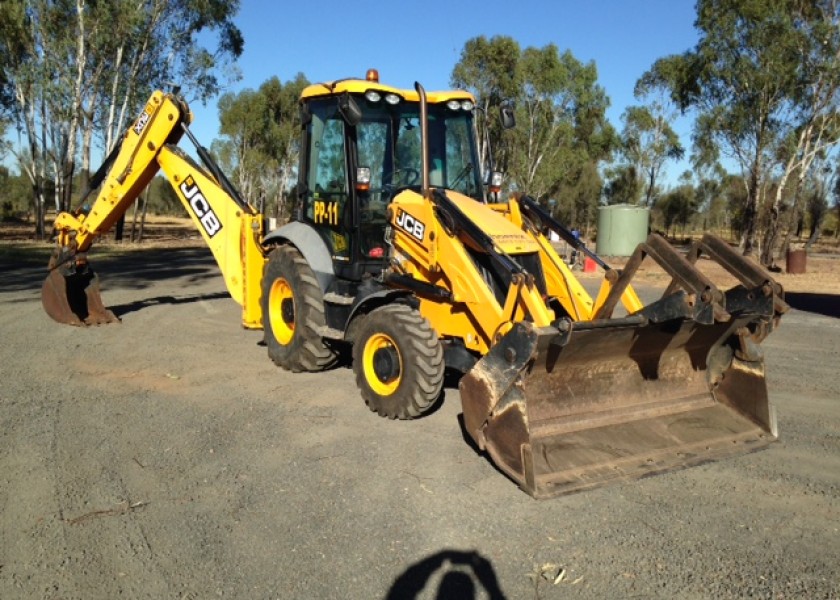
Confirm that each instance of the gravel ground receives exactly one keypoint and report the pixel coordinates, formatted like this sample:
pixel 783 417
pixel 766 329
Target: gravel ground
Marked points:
pixel 166 457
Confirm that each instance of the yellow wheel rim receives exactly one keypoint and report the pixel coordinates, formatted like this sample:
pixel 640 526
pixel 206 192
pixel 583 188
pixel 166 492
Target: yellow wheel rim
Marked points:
pixel 281 311
pixel 381 383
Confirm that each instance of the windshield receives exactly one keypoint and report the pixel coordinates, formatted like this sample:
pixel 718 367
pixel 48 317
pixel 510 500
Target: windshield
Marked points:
pixel 388 141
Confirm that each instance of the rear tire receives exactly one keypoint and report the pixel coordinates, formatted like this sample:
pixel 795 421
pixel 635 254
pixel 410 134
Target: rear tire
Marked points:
pixel 293 313
pixel 398 361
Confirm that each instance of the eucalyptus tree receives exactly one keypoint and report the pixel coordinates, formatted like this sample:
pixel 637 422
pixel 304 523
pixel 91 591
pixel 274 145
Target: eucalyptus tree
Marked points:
pixel 562 132
pixel 812 126
pixel 557 95
pixel 490 68
pixel 816 205
pixel 66 60
pixel 835 194
pixel 283 136
pixel 623 185
pixel 739 78
pixel 260 138
pixel 763 79
pixel 677 206
pixel 648 141
pixel 9 46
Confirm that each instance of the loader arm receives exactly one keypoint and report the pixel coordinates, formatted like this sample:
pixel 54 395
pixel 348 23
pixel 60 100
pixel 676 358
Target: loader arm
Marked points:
pixel 464 269
pixel 563 284
pixel 231 227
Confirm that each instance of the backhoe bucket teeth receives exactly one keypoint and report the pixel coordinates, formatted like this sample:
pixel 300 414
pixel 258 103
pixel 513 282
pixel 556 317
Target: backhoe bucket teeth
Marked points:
pixel 72 297
pixel 560 412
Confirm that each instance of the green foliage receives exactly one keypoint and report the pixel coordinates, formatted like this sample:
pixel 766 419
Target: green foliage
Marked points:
pixel 624 185
pixel 578 197
pixel 562 132
pixel 647 142
pixel 490 69
pixel 763 80
pixel 77 68
pixel 260 138
pixel 15 195
pixel 734 193
pixel 11 34
pixel 162 199
pixel 677 207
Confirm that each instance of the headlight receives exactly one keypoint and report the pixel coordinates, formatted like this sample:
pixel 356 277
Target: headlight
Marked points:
pixel 373 96
pixel 453 105
pixel 362 179
pixel 392 99
pixel 467 105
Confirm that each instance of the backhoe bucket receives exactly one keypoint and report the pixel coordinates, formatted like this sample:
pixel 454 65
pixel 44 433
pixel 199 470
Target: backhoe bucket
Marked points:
pixel 602 402
pixel 71 296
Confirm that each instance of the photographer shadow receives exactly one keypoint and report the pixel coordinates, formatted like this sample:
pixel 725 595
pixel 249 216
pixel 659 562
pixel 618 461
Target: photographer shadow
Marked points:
pixel 460 573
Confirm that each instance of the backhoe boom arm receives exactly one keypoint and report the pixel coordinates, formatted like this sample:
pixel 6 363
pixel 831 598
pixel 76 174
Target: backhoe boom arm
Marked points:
pixel 232 228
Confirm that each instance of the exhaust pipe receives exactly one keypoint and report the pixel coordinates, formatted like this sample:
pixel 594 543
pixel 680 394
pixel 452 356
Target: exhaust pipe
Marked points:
pixel 424 138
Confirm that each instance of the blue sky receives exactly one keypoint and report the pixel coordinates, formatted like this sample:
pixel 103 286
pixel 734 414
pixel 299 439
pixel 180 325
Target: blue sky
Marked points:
pixel 408 42
pixel 416 41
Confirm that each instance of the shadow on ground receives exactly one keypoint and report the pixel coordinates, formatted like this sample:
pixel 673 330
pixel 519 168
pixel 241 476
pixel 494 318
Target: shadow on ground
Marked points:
pixel 134 269
pixel 458 575
pixel 122 309
pixel 823 304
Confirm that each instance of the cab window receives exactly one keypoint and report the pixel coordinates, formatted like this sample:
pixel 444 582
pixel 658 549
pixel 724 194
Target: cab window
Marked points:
pixel 327 195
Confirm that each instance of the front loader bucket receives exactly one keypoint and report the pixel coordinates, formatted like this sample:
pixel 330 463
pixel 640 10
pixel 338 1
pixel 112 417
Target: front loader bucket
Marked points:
pixel 605 402
pixel 71 296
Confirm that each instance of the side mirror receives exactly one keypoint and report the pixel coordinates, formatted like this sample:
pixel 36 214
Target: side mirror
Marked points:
pixel 507 116
pixel 350 111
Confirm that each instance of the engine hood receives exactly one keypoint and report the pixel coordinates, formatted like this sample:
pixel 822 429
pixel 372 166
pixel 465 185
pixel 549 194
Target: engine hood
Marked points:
pixel 507 236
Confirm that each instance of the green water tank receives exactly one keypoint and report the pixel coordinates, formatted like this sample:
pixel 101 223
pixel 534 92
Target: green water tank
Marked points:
pixel 621 227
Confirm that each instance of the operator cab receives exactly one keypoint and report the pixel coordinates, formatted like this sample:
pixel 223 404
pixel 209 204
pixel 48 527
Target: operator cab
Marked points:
pixel 360 146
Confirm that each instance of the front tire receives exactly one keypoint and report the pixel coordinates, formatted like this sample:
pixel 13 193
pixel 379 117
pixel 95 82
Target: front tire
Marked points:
pixel 293 313
pixel 398 362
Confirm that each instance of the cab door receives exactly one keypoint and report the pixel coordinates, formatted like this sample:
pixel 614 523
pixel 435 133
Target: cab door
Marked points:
pixel 326 196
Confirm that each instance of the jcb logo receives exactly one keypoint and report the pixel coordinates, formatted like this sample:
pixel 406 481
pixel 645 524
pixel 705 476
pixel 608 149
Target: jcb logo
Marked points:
pixel 141 121
pixel 408 223
pixel 199 205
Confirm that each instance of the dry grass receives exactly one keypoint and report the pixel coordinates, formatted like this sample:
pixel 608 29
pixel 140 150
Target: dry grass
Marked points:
pixel 157 232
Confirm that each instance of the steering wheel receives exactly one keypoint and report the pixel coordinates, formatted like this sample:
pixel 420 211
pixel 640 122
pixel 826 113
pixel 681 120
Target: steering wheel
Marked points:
pixel 410 175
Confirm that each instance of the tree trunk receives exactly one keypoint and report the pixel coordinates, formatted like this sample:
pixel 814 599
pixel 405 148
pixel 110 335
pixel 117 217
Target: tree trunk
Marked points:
pixel 67 187
pixel 751 212
pixel 133 230
pixel 771 235
pixel 143 216
pixel 39 210
pixel 815 232
pixel 84 174
pixel 651 181
pixel 112 107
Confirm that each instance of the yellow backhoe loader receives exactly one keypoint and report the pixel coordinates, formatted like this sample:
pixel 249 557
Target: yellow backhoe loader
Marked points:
pixel 399 248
